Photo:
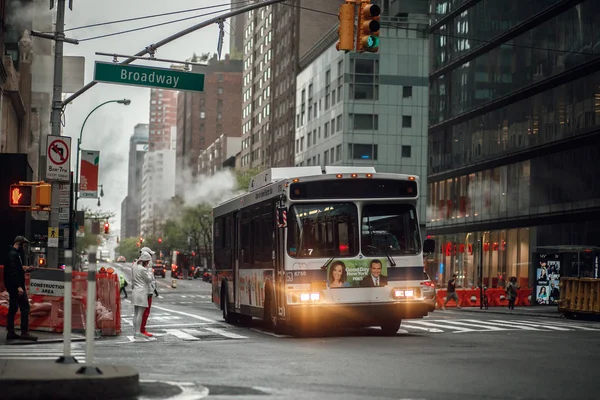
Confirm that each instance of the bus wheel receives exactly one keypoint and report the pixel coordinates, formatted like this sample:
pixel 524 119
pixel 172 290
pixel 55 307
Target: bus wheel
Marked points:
pixel 390 328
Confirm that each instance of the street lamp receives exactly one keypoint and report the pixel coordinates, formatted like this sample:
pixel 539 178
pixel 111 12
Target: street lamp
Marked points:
pixel 125 102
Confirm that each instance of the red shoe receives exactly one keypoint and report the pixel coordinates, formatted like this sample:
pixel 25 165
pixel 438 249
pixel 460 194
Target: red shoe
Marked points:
pixel 147 334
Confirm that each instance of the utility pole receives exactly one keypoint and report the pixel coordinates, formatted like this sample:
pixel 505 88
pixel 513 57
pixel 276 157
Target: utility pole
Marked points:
pixel 59 38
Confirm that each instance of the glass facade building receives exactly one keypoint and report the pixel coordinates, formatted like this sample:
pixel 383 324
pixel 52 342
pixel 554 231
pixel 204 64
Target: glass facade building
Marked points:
pixel 514 138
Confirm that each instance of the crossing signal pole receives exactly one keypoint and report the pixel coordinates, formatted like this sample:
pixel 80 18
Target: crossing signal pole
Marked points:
pixel 346 28
pixel 367 32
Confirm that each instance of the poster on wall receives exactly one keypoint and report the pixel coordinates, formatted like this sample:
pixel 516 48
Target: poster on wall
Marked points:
pixel 547 275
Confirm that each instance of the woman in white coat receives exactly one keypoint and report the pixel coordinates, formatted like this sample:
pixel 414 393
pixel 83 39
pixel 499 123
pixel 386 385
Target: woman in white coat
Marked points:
pixel 139 293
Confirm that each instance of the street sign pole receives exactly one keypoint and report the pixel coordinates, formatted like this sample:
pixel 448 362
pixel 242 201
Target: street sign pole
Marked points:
pixel 55 120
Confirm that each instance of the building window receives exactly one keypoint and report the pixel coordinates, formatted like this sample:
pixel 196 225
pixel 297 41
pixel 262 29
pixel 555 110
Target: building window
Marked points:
pixel 219 104
pixel 339 123
pixel 219 128
pixel 201 127
pixel 365 84
pixel 331 155
pixel 326 156
pixel 406 151
pixel 326 130
pixel 406 91
pixel 219 115
pixel 220 77
pixel 220 90
pixel 338 152
pixel 202 115
pixel 363 151
pixel 364 121
pixel 406 121
pixel 309 141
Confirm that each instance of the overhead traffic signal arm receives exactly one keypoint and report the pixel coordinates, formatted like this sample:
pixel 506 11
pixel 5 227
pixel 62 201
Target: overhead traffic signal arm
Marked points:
pixel 367 33
pixel 346 28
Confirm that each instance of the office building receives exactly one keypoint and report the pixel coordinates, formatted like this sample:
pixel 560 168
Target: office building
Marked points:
pixel 163 116
pixel 513 141
pixel 202 117
pixel 130 208
pixel 158 187
pixel 219 155
pixel 367 109
pixel 275 37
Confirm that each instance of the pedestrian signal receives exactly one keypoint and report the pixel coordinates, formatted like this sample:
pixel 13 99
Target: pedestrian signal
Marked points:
pixel 21 196
pixel 43 195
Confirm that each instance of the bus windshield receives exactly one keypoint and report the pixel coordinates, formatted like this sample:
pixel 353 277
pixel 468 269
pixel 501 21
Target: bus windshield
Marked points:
pixel 323 230
pixel 390 229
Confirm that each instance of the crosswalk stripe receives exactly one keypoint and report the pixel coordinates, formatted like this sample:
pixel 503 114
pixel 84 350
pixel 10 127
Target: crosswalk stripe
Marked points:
pixel 181 335
pixel 431 330
pixel 476 325
pixel 442 326
pixel 506 323
pixel 546 326
pixel 566 325
pixel 223 332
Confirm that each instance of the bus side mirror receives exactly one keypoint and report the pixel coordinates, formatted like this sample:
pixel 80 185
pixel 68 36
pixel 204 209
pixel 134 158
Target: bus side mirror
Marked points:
pixel 281 217
pixel 428 246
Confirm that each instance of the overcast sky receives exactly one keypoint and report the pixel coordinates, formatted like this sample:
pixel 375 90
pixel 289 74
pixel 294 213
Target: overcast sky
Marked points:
pixel 109 128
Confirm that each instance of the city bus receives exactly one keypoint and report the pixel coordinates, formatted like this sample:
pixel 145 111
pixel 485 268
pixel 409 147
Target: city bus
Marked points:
pixel 307 246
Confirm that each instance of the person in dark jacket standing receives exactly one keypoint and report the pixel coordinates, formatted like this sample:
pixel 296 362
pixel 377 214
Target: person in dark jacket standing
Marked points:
pixel 14 280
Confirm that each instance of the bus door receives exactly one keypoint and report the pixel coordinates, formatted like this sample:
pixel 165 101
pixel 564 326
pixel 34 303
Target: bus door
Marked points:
pixel 279 257
pixel 236 258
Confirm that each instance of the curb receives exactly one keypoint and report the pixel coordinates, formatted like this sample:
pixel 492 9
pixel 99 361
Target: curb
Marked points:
pixel 528 314
pixel 64 381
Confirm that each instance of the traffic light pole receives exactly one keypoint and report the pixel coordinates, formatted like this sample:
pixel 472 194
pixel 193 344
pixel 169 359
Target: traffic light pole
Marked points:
pixel 153 47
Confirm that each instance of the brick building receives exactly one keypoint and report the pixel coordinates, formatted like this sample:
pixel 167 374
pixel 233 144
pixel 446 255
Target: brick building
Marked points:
pixel 163 117
pixel 203 117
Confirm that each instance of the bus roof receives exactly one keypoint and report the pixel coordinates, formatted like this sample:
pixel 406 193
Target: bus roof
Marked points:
pixel 264 185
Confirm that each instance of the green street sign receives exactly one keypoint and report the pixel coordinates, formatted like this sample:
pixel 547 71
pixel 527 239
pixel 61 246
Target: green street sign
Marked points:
pixel 134 75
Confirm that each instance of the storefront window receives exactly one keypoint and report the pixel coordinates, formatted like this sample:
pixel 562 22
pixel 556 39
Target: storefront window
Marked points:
pixel 505 254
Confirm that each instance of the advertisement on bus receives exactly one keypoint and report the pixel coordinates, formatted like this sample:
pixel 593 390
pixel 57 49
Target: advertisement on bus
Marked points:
pixel 357 273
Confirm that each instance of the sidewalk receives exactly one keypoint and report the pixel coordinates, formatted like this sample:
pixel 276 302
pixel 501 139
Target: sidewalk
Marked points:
pixel 20 379
pixel 531 311
pixel 43 338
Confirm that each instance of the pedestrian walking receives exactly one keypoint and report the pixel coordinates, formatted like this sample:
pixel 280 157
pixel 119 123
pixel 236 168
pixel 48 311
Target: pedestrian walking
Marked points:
pixel 511 292
pixel 123 284
pixel 139 293
pixel 14 281
pixel 451 293
pixel 151 291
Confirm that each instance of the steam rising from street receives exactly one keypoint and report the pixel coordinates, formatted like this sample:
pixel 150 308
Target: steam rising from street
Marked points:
pixel 209 190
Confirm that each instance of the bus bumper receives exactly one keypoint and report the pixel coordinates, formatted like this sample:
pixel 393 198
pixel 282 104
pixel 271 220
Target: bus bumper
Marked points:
pixel 363 313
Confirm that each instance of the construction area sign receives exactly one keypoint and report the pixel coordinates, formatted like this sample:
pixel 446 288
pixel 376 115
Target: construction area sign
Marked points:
pixel 58 155
pixel 88 186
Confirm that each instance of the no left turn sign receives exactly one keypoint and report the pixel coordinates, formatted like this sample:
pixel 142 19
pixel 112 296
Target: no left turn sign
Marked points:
pixel 58 152
pixel 58 166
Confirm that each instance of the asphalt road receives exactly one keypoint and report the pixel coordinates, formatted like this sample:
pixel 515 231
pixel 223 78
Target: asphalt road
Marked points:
pixel 449 355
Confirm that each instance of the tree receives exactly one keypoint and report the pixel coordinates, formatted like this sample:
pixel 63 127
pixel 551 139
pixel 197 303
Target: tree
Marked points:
pixel 244 177
pixel 129 248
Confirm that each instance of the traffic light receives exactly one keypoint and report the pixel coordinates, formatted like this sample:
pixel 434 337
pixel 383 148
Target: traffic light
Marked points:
pixel 367 35
pixel 42 262
pixel 159 240
pixel 106 228
pixel 21 196
pixel 43 195
pixel 346 28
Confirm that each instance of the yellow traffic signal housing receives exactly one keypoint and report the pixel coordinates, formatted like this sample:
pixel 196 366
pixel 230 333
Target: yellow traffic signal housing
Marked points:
pixel 21 196
pixel 43 195
pixel 346 28
pixel 367 34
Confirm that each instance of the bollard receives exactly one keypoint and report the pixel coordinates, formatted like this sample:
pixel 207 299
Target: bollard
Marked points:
pixel 67 358
pixel 173 283
pixel 90 324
